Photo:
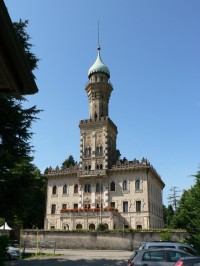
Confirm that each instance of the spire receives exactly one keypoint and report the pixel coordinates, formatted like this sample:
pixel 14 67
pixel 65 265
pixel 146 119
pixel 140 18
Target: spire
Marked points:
pixel 98 66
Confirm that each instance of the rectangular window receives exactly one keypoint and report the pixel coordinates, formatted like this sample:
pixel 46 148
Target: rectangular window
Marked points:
pixel 138 206
pixel 64 206
pixel 53 208
pixel 75 206
pixel 125 206
pixel 112 204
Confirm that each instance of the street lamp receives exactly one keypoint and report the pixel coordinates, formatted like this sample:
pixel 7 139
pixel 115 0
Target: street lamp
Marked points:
pixel 100 213
pixel 100 203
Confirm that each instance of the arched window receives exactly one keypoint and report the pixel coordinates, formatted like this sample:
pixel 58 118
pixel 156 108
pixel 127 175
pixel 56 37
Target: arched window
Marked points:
pixel 106 226
pixel 125 187
pixel 66 227
pixel 86 167
pixel 97 167
pixel 76 188
pixel 79 226
pixel 89 167
pixel 139 226
pixel 65 189
pixel 54 189
pixel 91 227
pixel 137 184
pixel 101 166
pixel 112 186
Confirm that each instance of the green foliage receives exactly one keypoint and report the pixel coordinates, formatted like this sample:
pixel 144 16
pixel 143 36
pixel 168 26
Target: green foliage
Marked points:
pixel 188 213
pixel 166 236
pixel 24 38
pixel 22 187
pixel 68 162
pixel 168 215
pixel 2 221
pixel 3 245
pixel 102 227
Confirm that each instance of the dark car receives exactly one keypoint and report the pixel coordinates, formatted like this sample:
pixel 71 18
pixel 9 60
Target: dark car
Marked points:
pixel 156 257
pixel 190 261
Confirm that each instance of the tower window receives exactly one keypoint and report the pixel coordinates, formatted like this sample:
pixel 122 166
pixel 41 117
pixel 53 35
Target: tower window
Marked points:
pixel 112 186
pixel 125 185
pixel 65 189
pixel 137 185
pixel 54 189
pixel 53 208
pixel 95 78
pixel 76 188
pixel 99 150
pixel 138 206
pixel 125 206
pixel 88 151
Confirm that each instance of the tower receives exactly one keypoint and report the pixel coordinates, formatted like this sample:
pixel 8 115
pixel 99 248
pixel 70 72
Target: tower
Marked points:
pixel 98 133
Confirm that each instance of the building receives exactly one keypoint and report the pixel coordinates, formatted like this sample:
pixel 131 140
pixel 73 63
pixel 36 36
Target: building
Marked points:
pixel 102 188
pixel 16 78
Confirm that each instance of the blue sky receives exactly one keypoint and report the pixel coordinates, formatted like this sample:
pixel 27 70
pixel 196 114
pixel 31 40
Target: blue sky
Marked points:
pixel 152 49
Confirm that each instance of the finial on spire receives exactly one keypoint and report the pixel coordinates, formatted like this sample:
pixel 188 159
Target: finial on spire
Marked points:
pixel 98 48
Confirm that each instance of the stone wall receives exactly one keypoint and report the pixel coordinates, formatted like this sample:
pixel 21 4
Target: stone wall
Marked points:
pixel 96 240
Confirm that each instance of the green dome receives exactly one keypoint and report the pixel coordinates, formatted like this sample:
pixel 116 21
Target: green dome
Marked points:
pixel 98 66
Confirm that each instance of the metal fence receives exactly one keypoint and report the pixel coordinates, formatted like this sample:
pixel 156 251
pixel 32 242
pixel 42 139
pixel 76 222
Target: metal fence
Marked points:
pixel 39 246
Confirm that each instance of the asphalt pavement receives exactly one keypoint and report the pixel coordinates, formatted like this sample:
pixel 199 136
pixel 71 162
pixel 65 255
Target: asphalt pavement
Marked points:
pixel 71 257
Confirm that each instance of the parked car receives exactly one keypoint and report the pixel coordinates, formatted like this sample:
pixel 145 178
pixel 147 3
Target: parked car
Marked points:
pixel 171 244
pixel 156 257
pixel 13 253
pixel 190 261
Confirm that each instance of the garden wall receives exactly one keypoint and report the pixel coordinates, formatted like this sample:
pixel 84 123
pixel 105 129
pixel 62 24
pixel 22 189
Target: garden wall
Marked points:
pixel 111 240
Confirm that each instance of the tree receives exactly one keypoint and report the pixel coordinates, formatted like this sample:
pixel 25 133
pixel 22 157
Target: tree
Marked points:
pixel 24 38
pixel 168 213
pixel 174 197
pixel 188 213
pixel 21 185
pixel 68 162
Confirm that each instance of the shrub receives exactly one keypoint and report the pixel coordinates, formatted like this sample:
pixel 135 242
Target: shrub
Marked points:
pixel 3 246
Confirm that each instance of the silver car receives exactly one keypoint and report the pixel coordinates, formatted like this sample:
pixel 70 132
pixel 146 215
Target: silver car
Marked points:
pixel 171 244
pixel 156 257
pixel 13 253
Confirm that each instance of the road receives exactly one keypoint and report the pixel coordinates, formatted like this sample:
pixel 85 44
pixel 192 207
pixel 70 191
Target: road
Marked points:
pixel 78 258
